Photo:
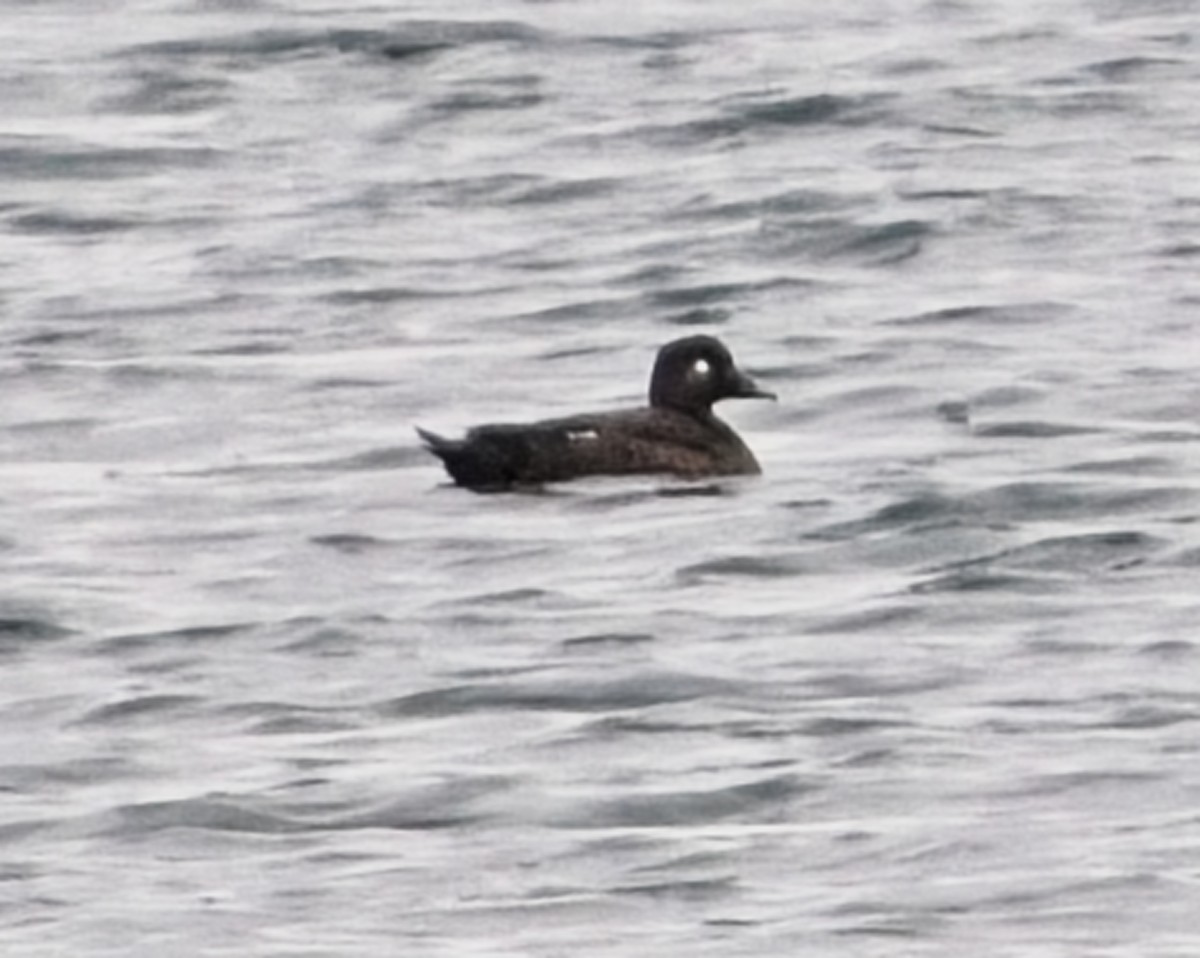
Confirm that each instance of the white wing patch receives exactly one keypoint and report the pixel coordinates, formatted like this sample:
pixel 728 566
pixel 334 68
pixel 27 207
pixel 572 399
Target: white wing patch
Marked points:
pixel 582 435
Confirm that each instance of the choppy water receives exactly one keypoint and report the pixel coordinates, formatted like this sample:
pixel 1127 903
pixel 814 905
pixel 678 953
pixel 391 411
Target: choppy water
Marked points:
pixel 928 687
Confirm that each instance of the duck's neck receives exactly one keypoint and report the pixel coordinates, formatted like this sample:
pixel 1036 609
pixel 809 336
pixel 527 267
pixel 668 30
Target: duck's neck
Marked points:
pixel 700 413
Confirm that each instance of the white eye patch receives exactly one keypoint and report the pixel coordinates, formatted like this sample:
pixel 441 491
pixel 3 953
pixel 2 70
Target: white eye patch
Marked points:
pixel 701 367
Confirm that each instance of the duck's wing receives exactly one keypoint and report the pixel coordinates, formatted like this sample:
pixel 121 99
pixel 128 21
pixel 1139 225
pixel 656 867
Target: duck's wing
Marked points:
pixel 637 441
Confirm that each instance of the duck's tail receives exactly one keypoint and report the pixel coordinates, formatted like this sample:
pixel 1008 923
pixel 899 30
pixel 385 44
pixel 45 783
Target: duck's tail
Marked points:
pixel 474 464
pixel 440 446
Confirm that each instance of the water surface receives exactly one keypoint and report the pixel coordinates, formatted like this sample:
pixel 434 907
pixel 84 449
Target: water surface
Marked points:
pixel 272 687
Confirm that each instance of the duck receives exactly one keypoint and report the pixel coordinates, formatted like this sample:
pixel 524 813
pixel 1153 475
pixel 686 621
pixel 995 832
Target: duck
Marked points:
pixel 676 434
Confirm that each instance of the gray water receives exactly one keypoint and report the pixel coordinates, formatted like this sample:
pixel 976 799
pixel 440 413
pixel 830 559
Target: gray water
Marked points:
pixel 270 686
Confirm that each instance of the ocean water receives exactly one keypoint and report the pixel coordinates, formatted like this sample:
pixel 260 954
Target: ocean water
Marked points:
pixel 270 686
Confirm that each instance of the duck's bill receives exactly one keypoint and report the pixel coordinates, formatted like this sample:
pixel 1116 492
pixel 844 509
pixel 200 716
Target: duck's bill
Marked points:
pixel 746 388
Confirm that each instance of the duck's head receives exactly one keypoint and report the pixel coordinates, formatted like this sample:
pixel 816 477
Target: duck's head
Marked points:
pixel 691 374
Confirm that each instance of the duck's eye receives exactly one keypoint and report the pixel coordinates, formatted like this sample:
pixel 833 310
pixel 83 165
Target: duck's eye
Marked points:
pixel 700 367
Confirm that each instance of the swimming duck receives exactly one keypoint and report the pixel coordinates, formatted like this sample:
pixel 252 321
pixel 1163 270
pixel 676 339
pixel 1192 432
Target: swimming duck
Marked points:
pixel 675 434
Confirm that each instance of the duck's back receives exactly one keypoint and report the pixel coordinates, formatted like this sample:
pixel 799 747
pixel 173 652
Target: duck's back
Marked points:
pixel 648 440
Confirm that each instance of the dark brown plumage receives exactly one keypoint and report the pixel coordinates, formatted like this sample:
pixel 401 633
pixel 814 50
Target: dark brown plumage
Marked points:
pixel 676 434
